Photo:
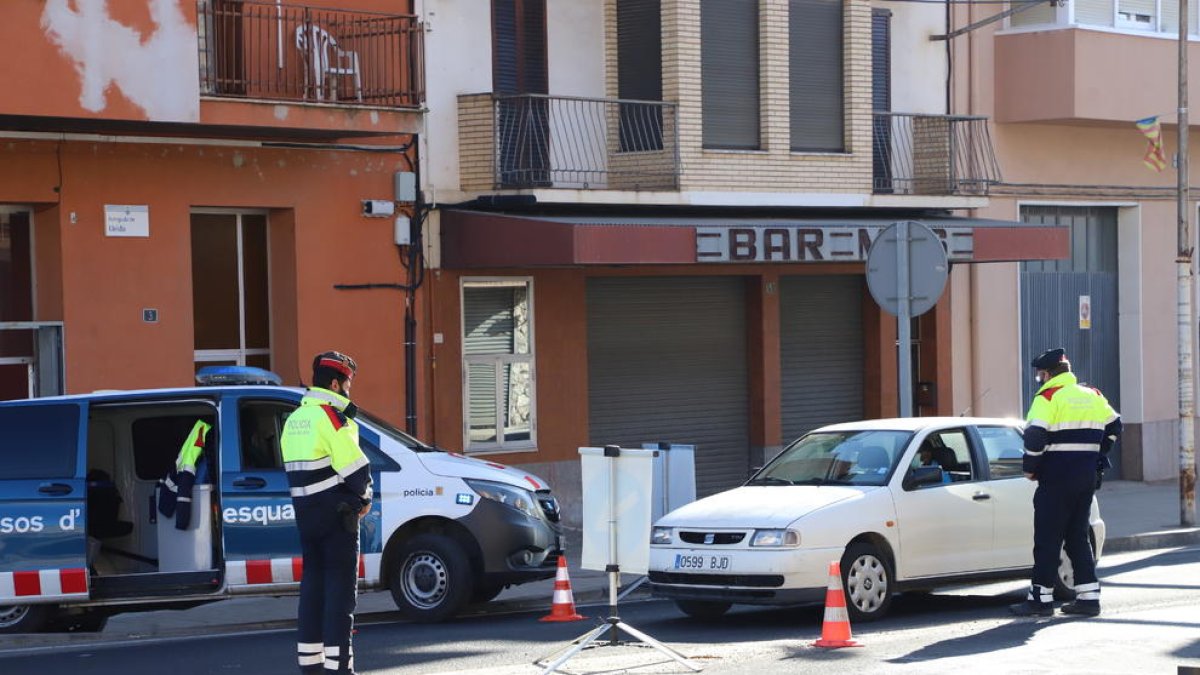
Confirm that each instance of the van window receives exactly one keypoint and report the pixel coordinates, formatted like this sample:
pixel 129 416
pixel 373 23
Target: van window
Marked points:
pixel 261 423
pixel 39 441
pixel 157 440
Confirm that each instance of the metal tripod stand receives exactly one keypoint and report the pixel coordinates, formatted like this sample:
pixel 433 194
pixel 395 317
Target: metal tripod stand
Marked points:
pixel 613 623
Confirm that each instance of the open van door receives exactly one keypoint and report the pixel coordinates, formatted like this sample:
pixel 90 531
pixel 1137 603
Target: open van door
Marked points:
pixel 43 514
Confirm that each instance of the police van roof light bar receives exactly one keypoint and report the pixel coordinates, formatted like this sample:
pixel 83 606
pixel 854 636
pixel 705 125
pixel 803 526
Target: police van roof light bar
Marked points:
pixel 210 376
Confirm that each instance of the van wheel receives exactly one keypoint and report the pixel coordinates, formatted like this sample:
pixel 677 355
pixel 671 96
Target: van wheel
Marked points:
pixel 25 618
pixel 707 610
pixel 432 580
pixel 867 581
pixel 1064 582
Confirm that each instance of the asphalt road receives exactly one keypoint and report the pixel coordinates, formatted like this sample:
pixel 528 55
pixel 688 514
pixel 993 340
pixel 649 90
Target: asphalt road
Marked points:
pixel 1151 624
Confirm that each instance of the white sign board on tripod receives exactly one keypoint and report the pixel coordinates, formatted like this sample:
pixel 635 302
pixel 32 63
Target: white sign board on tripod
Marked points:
pixel 633 471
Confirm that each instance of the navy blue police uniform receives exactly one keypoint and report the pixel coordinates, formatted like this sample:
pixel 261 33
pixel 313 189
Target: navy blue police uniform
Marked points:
pixel 1070 429
pixel 330 482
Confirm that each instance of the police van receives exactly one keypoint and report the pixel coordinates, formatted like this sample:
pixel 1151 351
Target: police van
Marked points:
pixel 81 537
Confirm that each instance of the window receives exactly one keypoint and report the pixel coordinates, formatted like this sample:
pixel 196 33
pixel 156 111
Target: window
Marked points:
pixel 1004 448
pixel 1137 14
pixel 261 423
pixel 498 377
pixel 639 74
pixel 843 457
pixel 39 442
pixel 815 75
pixel 729 73
pixel 949 451
pixel 230 293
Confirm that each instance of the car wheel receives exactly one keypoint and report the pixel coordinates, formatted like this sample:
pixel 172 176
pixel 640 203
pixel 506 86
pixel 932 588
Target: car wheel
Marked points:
pixel 1064 583
pixel 485 593
pixel 432 580
pixel 867 582
pixel 703 609
pixel 25 618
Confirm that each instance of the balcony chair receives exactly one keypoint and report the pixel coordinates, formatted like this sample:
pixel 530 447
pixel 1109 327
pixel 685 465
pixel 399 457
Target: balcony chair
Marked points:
pixel 326 61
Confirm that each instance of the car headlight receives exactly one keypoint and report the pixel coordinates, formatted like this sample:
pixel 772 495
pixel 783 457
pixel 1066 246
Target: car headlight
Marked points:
pixel 515 497
pixel 660 535
pixel 775 538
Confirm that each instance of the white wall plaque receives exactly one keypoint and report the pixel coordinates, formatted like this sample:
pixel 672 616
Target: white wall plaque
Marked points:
pixel 126 220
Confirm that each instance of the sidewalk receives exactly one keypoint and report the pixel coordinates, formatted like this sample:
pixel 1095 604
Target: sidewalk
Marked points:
pixel 1138 516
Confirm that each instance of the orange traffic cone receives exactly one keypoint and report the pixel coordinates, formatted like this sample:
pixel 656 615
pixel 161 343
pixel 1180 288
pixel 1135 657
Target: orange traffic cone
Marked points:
pixel 835 632
pixel 563 605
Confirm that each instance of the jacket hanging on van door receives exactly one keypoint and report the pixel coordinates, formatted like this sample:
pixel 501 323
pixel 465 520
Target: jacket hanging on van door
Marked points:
pixel 175 490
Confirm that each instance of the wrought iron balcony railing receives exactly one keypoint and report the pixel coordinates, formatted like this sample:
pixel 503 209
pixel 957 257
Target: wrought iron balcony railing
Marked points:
pixel 917 154
pixel 269 50
pixel 539 141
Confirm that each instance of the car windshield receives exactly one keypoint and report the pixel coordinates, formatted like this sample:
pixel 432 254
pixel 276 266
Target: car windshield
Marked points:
pixel 395 434
pixel 836 458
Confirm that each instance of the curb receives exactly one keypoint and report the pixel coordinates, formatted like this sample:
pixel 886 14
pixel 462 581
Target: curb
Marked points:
pixel 1152 540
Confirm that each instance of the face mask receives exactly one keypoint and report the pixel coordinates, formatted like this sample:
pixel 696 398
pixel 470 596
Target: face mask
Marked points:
pixel 351 411
pixel 1039 378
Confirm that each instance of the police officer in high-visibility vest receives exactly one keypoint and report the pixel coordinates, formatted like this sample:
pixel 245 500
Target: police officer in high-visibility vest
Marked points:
pixel 330 482
pixel 175 490
pixel 1069 432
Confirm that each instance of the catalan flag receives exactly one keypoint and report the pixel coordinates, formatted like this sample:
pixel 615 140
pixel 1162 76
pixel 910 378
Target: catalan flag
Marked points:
pixel 1155 158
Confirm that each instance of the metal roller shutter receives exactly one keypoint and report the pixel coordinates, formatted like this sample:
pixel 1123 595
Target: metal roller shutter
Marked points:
pixel 667 362
pixel 821 352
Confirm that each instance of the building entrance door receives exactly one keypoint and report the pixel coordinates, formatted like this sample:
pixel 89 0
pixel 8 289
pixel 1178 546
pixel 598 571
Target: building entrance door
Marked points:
pixel 16 305
pixel 1072 303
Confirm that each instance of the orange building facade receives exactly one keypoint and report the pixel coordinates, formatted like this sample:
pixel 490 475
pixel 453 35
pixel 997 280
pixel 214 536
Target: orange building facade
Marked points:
pixel 182 183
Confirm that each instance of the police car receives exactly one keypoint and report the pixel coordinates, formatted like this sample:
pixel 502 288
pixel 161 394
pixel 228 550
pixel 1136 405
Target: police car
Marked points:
pixel 903 504
pixel 81 539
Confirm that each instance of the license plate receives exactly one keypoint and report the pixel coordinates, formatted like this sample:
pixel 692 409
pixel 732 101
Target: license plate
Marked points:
pixel 701 562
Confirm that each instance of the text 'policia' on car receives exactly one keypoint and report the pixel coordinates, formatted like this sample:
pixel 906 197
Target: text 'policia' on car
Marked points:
pixel 83 538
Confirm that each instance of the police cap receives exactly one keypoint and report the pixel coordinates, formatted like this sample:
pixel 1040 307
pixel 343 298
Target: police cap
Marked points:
pixel 1049 359
pixel 338 362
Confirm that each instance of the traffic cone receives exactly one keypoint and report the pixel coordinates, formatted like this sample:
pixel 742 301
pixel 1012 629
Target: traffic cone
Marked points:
pixel 563 605
pixel 835 632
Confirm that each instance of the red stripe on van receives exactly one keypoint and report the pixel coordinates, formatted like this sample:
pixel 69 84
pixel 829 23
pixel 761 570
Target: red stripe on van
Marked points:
pixel 297 568
pixel 362 567
pixel 258 571
pixel 27 583
pixel 73 580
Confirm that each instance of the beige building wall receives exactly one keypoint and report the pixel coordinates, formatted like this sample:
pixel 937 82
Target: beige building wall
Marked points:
pixel 1084 151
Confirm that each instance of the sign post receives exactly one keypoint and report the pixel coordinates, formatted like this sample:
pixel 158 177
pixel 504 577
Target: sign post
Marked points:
pixel 906 273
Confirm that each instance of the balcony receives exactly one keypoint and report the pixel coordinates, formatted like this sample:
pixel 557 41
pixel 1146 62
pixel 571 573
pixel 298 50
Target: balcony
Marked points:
pixel 265 50
pixel 947 155
pixel 534 141
pixel 1068 73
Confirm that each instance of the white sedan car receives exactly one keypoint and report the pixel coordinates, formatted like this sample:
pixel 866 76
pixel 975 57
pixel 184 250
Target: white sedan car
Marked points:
pixel 903 504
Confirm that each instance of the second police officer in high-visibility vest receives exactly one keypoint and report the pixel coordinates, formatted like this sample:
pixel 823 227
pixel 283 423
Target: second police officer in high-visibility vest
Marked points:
pixel 330 482
pixel 175 490
pixel 1069 432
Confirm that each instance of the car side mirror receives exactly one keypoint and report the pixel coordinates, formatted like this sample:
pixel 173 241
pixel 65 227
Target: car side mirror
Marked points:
pixel 922 475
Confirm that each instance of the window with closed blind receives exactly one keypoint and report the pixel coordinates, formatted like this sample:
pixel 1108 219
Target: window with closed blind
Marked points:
pixel 498 377
pixel 815 75
pixel 639 73
pixel 729 73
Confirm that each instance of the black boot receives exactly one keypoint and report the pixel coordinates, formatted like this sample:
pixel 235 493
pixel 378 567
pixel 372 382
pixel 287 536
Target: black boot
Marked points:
pixel 1031 608
pixel 1081 608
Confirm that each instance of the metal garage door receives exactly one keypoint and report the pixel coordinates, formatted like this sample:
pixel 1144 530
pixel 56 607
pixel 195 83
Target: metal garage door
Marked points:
pixel 821 352
pixel 1050 299
pixel 667 362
